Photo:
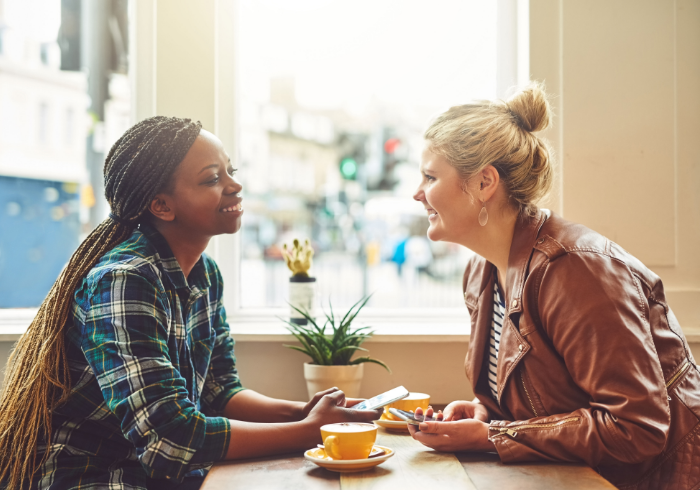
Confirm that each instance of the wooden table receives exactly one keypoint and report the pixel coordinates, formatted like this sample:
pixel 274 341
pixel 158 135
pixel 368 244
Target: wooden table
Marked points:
pixel 413 467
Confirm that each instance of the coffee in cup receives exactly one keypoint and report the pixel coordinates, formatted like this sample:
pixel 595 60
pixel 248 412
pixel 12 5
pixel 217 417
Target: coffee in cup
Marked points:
pixel 349 440
pixel 408 404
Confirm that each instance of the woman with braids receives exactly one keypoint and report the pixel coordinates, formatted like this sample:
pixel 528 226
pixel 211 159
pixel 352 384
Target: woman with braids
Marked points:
pixel 575 355
pixel 126 378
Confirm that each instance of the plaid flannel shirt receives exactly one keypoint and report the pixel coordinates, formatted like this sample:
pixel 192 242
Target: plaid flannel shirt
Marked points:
pixel 152 363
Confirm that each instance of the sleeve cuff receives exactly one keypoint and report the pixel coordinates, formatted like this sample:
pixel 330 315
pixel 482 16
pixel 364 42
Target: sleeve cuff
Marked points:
pixel 221 400
pixel 217 435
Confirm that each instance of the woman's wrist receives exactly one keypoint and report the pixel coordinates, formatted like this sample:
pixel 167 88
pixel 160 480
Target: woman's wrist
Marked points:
pixel 487 443
pixel 298 411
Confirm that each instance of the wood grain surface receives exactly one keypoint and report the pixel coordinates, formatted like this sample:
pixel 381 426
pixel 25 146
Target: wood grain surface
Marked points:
pixel 413 467
pixel 291 472
pixel 488 473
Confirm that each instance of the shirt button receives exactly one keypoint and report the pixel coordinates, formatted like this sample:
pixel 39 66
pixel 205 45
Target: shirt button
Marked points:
pixel 514 303
pixel 520 347
pixel 541 240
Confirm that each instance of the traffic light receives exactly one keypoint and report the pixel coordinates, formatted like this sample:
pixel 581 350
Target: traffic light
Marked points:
pixel 351 150
pixel 390 159
pixel 348 168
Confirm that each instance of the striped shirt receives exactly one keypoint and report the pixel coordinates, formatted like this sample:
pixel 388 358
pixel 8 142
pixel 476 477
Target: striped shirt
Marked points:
pixel 499 309
pixel 152 364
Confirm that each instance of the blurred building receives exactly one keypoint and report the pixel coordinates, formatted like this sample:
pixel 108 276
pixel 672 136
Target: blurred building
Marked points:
pixel 42 164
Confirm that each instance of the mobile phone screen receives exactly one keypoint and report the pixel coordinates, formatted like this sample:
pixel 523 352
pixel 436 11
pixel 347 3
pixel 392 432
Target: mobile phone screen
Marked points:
pixel 382 400
pixel 411 417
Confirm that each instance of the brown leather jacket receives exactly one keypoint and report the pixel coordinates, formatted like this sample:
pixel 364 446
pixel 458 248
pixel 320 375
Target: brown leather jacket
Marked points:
pixel 593 366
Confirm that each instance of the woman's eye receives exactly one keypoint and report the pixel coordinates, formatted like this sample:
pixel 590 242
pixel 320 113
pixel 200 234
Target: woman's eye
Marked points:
pixel 214 180
pixel 232 171
pixel 429 178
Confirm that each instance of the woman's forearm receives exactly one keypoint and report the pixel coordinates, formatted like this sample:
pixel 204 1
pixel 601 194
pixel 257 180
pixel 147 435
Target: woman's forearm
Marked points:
pixel 250 440
pixel 250 406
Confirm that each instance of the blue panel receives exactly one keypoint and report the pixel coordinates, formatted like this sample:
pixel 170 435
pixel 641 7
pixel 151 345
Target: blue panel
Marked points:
pixel 39 230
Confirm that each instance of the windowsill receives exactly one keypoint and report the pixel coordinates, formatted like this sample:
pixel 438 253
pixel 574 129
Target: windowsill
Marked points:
pixel 264 325
pixel 389 325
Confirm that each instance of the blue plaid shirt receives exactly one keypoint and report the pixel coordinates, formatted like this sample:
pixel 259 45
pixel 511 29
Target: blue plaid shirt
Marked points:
pixel 152 364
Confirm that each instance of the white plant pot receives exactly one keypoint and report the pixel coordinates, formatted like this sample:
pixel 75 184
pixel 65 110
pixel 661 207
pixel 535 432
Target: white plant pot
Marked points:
pixel 346 378
pixel 302 295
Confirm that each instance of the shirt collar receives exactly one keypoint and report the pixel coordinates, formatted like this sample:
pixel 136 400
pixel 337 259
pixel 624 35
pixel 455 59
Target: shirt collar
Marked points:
pixel 198 277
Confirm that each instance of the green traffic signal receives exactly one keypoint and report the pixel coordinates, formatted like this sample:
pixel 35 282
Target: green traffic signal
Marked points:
pixel 348 168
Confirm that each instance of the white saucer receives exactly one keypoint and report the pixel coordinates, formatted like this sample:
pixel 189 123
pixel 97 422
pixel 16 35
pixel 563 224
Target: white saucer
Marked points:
pixel 319 457
pixel 392 425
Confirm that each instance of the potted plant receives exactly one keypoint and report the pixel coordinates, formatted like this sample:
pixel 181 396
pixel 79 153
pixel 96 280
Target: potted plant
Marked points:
pixel 331 350
pixel 302 287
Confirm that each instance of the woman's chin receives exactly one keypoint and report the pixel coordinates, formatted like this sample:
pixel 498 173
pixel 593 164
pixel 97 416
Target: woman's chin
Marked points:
pixel 434 234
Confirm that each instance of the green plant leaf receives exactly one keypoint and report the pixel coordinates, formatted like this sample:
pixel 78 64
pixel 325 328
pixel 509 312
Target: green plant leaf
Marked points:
pixel 322 360
pixel 350 316
pixel 351 349
pixel 306 315
pixel 337 346
pixel 315 361
pixel 360 360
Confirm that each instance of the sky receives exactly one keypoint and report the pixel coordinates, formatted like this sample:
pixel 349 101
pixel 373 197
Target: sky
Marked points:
pixel 37 19
pixel 350 53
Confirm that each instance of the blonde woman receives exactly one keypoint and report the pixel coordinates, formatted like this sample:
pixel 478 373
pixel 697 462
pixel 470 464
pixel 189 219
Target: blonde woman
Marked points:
pixel 575 355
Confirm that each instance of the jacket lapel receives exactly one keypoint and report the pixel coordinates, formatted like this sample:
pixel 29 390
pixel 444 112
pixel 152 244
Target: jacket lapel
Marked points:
pixel 513 346
pixel 481 311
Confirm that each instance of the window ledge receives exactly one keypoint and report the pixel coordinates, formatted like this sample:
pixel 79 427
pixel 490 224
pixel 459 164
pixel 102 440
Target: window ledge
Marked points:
pixel 264 325
pixel 14 322
pixel 389 325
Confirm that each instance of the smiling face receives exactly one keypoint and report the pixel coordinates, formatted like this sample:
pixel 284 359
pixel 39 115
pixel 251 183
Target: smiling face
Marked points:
pixel 204 198
pixel 452 212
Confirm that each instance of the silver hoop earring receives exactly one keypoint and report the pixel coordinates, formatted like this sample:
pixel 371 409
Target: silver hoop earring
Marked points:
pixel 483 215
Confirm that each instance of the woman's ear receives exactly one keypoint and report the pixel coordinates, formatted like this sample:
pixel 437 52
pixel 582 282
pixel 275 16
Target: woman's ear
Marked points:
pixel 161 209
pixel 488 183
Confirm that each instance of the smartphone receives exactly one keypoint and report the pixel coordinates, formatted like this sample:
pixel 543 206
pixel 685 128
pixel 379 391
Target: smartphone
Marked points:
pixel 411 417
pixel 382 400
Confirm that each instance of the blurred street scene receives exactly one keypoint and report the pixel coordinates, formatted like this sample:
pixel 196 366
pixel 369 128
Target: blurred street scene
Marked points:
pixel 332 98
pixel 332 117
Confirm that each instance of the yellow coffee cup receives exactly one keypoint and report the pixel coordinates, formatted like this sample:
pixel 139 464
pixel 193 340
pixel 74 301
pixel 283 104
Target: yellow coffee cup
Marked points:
pixel 409 404
pixel 351 440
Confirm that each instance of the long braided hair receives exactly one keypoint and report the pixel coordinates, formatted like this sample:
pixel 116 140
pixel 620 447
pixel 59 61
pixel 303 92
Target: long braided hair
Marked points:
pixel 139 165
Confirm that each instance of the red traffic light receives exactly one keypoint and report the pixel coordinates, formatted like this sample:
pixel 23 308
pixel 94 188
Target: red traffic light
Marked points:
pixel 391 145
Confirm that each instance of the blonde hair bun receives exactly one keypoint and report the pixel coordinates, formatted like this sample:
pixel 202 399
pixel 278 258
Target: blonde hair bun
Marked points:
pixel 500 133
pixel 530 108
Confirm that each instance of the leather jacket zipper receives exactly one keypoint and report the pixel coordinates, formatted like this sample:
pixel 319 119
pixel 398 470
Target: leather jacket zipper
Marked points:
pixel 513 431
pixel 678 374
pixel 527 393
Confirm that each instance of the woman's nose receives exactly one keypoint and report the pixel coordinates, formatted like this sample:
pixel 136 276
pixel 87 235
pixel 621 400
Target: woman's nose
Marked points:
pixel 419 194
pixel 234 186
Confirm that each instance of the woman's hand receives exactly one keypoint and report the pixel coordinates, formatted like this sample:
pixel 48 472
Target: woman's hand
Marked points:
pixel 349 402
pixel 461 410
pixel 464 434
pixel 314 401
pixel 331 407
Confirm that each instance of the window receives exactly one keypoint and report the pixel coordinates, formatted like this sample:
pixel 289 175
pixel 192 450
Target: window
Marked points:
pixel 331 122
pixel 45 196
